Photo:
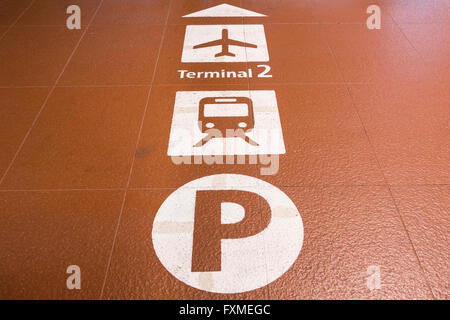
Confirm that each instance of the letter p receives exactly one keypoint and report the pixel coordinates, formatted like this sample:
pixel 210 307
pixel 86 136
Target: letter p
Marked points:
pixel 209 229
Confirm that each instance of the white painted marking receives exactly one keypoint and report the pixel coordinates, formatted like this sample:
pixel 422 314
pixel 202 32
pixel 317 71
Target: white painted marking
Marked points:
pixel 246 263
pixel 231 213
pixel 238 36
pixel 224 10
pixel 186 132
pixel 226 110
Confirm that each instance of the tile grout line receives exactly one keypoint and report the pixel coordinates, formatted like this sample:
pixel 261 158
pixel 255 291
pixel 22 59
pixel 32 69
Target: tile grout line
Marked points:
pixel 389 186
pixel 213 84
pixel 382 171
pixel 62 190
pixel 180 24
pixel 16 20
pixel 134 158
pixel 281 186
pixel 425 63
pixel 410 240
pixel 48 95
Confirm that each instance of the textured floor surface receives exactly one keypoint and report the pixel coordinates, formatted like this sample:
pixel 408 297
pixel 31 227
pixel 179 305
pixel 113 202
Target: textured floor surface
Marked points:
pixel 85 117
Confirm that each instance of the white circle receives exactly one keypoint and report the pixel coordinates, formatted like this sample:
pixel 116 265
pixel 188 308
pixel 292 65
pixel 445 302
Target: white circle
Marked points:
pixel 246 263
pixel 242 124
pixel 210 125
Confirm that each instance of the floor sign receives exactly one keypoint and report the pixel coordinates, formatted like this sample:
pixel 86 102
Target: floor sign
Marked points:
pixel 227 233
pixel 225 43
pixel 225 123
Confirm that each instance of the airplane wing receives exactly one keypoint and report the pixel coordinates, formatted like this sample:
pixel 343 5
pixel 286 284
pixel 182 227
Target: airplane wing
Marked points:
pixel 241 44
pixel 209 44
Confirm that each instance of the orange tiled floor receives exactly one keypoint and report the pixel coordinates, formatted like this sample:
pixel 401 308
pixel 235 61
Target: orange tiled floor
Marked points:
pixel 85 118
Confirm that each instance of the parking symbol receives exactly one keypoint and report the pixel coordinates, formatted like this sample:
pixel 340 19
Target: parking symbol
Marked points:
pixel 227 233
pixel 225 43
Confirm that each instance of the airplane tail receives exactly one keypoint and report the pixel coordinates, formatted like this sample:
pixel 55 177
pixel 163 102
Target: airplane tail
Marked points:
pixel 221 54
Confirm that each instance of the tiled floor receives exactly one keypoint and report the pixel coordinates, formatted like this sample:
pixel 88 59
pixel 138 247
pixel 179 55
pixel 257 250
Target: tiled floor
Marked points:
pixel 85 118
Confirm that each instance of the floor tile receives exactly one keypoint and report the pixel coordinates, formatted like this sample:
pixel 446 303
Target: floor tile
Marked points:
pixel 42 233
pixel 152 155
pixel 407 124
pixel 303 56
pixel 347 230
pixel 325 140
pixel 136 271
pixel 18 109
pixel 84 138
pixel 110 55
pixel 280 11
pixel 54 13
pixel 35 56
pixel 417 11
pixel 10 10
pixel 116 12
pixel 433 44
pixel 425 210
pixel 365 55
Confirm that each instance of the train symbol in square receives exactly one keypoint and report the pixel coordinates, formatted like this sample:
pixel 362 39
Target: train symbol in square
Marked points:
pixel 203 120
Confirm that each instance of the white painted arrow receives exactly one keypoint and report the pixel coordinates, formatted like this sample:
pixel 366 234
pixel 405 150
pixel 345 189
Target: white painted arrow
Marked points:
pixel 224 10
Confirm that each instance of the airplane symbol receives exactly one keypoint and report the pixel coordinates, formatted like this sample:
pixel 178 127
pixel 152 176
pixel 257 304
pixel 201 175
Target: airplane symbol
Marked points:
pixel 225 42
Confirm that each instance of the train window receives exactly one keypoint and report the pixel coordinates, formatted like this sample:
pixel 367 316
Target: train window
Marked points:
pixel 226 110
